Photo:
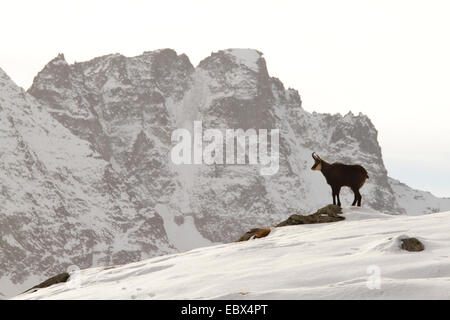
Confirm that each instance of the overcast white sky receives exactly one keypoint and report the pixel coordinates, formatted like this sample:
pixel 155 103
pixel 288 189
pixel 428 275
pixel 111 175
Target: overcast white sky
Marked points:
pixel 389 59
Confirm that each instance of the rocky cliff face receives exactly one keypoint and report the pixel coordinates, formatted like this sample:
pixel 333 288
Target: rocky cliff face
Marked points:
pixel 86 171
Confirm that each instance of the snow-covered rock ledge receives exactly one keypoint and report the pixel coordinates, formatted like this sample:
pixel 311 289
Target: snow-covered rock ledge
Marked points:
pixel 357 258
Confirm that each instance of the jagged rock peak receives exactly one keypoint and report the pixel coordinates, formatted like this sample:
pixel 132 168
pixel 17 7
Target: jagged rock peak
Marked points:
pixel 293 96
pixel 250 58
pixel 59 59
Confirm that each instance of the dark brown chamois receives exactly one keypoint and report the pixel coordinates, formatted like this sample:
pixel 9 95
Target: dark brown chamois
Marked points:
pixel 340 175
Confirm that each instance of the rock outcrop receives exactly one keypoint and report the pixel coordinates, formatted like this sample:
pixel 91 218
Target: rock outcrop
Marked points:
pixel 329 213
pixel 60 278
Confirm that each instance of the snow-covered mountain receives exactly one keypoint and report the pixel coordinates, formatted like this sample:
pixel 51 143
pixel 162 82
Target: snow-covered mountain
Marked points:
pixel 85 171
pixel 357 258
pixel 417 202
pixel 61 204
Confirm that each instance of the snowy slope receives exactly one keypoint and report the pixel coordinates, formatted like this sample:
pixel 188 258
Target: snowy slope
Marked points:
pixel 322 261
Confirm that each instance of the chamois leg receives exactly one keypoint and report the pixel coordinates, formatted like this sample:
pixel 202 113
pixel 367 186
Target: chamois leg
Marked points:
pixel 338 191
pixel 355 191
pixel 359 198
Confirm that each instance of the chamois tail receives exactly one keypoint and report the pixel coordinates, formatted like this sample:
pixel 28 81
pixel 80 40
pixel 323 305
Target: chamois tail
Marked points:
pixel 367 175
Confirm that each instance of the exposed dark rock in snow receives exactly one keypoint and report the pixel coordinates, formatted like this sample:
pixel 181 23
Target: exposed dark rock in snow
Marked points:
pixel 412 244
pixel 60 278
pixel 255 234
pixel 330 213
pixel 326 214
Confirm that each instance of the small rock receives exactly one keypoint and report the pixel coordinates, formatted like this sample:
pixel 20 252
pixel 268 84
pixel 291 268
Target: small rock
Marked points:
pixel 256 233
pixel 179 220
pixel 412 244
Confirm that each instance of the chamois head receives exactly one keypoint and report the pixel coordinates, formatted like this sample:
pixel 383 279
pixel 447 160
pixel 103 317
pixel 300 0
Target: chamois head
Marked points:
pixel 318 162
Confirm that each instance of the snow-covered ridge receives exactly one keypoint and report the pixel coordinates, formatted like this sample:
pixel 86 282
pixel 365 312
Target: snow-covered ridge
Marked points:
pixel 339 260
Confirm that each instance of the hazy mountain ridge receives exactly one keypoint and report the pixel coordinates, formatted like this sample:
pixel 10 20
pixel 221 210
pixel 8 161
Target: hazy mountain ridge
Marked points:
pixel 120 112
pixel 417 202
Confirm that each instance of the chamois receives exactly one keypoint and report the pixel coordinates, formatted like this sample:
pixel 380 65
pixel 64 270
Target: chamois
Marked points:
pixel 340 175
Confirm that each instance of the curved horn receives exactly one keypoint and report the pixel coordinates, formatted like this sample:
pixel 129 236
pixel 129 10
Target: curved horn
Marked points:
pixel 316 156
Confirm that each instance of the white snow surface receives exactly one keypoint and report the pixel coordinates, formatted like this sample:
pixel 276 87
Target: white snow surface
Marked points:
pixel 247 57
pixel 317 261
